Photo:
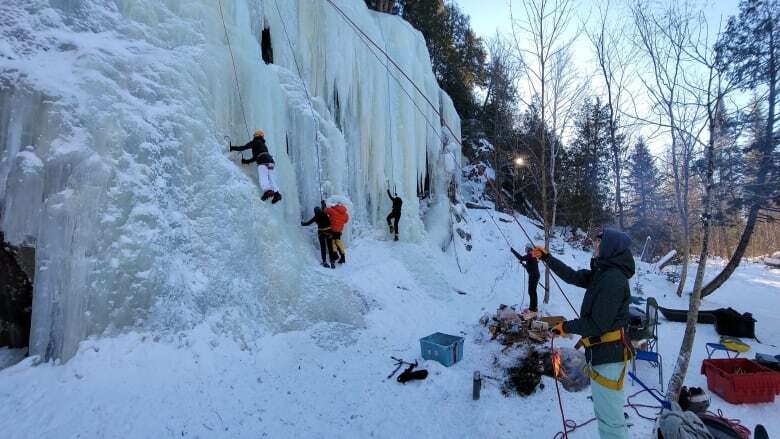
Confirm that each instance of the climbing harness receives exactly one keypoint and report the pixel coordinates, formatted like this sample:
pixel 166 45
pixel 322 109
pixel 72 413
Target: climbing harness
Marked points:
pixel 308 99
pixel 616 336
pixel 235 70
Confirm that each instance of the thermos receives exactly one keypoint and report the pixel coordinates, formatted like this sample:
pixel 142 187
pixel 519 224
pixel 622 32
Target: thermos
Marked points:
pixel 477 385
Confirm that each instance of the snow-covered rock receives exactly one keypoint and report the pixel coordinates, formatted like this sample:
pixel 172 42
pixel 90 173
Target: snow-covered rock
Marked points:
pixel 113 163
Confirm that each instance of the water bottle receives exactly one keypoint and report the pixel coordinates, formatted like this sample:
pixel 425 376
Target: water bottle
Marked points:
pixel 477 385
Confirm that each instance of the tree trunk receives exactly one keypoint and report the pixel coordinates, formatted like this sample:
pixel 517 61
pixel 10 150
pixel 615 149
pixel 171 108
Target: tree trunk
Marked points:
pixel 683 359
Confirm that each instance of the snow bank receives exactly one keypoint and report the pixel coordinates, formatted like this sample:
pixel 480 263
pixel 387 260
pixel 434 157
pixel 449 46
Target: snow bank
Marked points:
pixel 139 215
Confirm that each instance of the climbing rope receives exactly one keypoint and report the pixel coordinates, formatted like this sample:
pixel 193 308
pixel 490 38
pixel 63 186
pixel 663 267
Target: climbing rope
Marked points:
pixel 308 99
pixel 389 114
pixel 235 70
pixel 370 42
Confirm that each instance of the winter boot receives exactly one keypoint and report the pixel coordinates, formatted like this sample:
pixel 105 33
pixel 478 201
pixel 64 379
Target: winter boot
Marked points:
pixel 391 227
pixel 343 259
pixel 277 198
pixel 325 264
pixel 267 195
pixel 332 265
pixel 396 238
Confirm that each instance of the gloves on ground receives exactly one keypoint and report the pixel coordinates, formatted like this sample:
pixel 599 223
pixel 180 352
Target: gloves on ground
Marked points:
pixel 558 329
pixel 539 253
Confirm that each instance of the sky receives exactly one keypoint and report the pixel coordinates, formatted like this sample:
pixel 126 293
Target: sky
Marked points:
pixel 491 16
pixel 487 16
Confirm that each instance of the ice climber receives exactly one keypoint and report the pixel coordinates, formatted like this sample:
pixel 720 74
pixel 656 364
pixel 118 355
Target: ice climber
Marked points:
pixel 265 166
pixel 531 265
pixel 323 235
pixel 602 323
pixel 338 218
pixel 395 214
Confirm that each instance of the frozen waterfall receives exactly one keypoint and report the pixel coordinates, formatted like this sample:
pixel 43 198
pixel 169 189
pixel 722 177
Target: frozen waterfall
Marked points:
pixel 113 164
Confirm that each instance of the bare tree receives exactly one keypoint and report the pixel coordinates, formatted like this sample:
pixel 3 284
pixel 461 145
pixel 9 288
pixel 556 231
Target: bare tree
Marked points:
pixel 543 36
pixel 662 38
pixel 751 46
pixel 708 92
pixel 615 61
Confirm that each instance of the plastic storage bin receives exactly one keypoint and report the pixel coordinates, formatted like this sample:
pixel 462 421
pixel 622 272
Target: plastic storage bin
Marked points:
pixel 740 380
pixel 444 348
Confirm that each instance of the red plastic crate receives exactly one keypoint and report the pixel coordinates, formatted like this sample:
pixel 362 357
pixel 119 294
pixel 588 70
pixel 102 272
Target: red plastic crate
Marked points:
pixel 740 380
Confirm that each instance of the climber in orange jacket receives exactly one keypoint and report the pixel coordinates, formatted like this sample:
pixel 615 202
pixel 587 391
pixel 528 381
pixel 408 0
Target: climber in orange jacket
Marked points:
pixel 338 218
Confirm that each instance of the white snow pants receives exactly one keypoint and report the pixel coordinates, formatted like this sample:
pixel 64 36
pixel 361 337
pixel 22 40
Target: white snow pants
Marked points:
pixel 608 404
pixel 265 179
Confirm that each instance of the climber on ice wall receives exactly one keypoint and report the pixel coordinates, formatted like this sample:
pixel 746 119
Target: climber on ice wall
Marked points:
pixel 338 218
pixel 323 234
pixel 265 165
pixel 395 214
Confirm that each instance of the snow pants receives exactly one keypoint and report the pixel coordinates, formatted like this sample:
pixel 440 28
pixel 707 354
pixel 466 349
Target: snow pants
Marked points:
pixel 533 282
pixel 265 179
pixel 608 404
pixel 392 220
pixel 326 245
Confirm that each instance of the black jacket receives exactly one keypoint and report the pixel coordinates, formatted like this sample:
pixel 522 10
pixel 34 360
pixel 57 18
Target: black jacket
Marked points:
pixel 530 263
pixel 260 154
pixel 397 202
pixel 322 220
pixel 605 304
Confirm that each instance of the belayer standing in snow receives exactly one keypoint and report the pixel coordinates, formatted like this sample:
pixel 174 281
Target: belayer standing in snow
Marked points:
pixel 395 214
pixel 323 235
pixel 265 164
pixel 531 265
pixel 602 323
pixel 338 218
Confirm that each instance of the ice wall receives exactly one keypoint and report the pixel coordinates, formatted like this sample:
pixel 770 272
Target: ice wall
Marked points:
pixel 113 164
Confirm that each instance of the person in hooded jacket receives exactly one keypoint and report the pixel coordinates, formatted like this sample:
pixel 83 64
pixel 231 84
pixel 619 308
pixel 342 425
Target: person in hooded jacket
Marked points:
pixel 602 323
pixel 323 235
pixel 265 164
pixel 338 218
pixel 531 265
pixel 395 214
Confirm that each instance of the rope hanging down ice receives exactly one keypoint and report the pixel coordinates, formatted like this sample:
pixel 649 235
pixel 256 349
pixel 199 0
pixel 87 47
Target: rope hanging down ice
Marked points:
pixel 308 98
pixel 235 70
pixel 366 40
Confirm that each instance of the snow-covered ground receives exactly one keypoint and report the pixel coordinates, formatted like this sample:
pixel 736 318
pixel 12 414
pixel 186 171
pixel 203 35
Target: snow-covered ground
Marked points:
pixel 329 380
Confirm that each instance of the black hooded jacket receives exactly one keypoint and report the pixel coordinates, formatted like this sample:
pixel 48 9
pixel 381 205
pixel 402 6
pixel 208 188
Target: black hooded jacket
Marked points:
pixel 260 154
pixel 322 220
pixel 397 203
pixel 605 304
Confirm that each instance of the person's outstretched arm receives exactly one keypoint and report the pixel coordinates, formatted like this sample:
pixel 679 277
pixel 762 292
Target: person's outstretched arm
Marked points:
pixel 389 195
pixel 241 148
pixel 580 278
pixel 309 222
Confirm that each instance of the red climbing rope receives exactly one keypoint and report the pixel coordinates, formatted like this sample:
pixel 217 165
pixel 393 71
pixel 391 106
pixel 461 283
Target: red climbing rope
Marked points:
pixel 556 360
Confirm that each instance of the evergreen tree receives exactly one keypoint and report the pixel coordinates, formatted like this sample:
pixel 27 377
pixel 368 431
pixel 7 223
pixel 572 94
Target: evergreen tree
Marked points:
pixel 457 54
pixel 750 48
pixel 585 166
pixel 643 192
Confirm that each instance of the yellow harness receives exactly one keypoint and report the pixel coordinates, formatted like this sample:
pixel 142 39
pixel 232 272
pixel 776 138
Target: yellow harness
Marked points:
pixel 615 336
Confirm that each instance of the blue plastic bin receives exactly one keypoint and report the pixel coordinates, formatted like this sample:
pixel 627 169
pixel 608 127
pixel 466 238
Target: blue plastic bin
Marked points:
pixel 444 348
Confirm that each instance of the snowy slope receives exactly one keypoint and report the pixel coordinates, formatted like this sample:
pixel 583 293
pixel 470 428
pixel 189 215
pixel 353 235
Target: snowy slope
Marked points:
pixel 113 163
pixel 329 380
